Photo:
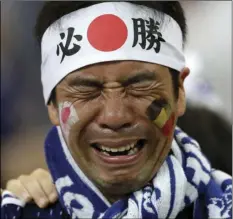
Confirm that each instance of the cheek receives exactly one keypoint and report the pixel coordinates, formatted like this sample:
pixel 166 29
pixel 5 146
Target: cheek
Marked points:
pixel 168 127
pixel 68 116
pixel 162 116
pixel 65 114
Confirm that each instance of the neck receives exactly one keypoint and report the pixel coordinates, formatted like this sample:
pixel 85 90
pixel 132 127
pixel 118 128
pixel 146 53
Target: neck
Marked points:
pixel 113 198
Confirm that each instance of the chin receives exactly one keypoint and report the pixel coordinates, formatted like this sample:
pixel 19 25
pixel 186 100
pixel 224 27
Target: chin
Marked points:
pixel 121 183
pixel 119 188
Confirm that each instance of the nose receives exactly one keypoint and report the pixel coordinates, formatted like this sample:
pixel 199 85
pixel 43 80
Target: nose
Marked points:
pixel 115 115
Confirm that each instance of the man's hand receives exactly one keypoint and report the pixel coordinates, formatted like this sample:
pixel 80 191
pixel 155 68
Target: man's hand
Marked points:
pixel 37 187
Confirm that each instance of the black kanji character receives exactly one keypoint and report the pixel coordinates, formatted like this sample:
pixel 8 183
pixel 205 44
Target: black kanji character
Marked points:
pixel 149 32
pixel 65 49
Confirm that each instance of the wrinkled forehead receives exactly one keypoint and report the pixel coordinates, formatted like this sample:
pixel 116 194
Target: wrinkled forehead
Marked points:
pixel 114 71
pixel 106 32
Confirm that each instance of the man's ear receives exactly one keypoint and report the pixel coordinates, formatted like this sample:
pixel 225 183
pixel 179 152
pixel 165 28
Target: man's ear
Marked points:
pixel 53 114
pixel 181 102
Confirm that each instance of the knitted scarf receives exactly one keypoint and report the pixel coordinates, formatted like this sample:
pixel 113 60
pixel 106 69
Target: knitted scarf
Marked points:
pixel 185 178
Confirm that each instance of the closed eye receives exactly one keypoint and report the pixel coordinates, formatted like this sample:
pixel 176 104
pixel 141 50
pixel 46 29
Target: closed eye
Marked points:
pixel 145 85
pixel 87 89
pixel 140 78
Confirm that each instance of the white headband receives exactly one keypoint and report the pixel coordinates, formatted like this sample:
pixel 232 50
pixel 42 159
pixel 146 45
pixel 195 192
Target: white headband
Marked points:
pixel 107 32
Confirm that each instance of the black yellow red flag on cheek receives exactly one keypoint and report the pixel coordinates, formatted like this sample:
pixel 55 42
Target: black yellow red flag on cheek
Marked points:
pixel 167 128
pixel 160 113
pixel 155 108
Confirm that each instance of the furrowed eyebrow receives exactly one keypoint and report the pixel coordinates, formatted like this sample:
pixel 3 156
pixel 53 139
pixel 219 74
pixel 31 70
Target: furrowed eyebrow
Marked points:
pixel 85 82
pixel 140 77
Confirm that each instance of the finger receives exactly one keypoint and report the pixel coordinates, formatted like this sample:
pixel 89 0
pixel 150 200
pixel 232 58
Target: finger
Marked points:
pixel 18 190
pixel 35 190
pixel 46 182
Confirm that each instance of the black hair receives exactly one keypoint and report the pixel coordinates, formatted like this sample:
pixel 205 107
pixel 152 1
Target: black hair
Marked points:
pixel 54 10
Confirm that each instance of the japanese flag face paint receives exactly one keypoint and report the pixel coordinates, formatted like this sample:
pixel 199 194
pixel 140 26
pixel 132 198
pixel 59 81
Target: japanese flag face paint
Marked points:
pixel 68 117
pixel 161 114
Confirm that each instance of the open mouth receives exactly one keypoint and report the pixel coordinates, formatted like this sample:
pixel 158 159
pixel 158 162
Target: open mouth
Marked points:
pixel 129 149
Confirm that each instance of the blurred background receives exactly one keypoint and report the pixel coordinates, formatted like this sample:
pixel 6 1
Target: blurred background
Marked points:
pixel 24 120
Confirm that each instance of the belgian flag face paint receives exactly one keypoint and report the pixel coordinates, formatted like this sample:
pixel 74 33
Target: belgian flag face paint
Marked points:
pixel 161 114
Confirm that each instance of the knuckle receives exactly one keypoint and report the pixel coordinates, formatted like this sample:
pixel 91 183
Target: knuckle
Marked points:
pixel 27 198
pixel 42 202
pixel 12 183
pixel 22 178
pixel 46 180
pixel 38 172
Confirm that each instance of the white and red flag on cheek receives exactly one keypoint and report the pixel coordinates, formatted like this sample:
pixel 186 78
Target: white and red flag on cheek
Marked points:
pixel 109 31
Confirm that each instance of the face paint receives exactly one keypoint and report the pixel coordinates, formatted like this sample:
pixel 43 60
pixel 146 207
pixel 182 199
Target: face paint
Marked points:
pixel 65 113
pixel 68 117
pixel 154 109
pixel 166 129
pixel 160 113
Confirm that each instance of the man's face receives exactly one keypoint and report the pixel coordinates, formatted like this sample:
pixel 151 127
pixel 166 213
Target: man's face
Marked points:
pixel 118 120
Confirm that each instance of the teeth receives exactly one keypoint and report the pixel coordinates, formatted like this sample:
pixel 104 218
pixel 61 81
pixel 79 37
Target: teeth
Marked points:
pixel 128 147
pixel 114 150
pixel 105 149
pixel 132 145
pixel 106 153
pixel 133 151
pixel 101 147
pixel 120 149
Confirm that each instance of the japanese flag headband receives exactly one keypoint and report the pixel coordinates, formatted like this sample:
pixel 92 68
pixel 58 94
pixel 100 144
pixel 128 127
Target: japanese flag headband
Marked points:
pixel 108 31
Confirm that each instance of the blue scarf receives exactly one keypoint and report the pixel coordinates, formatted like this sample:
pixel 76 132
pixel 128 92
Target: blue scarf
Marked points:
pixel 185 178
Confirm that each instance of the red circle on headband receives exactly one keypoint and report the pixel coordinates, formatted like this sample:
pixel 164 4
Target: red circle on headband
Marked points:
pixel 107 33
